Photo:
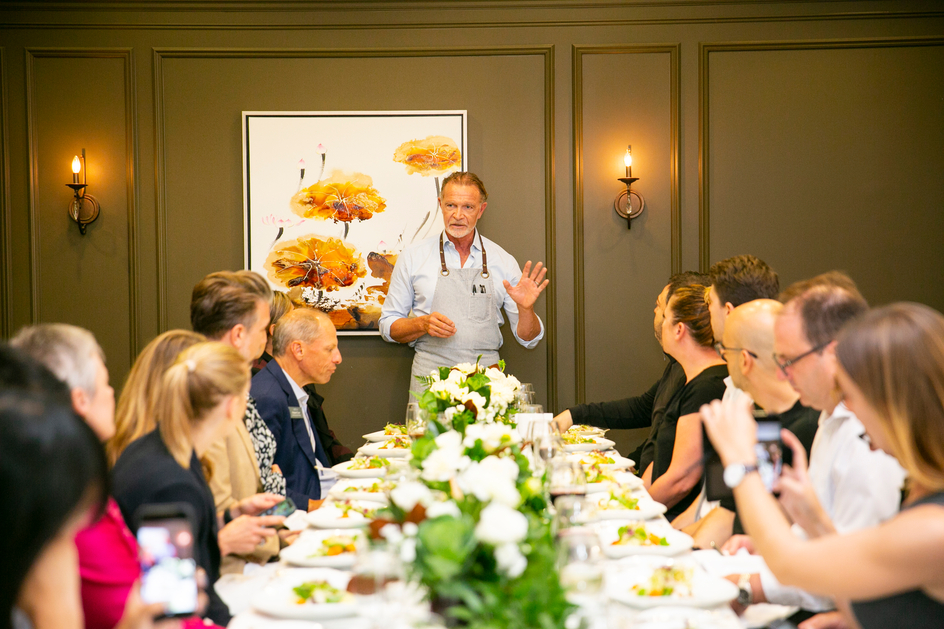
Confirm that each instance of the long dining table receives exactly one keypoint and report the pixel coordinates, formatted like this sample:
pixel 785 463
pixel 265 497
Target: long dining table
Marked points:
pixel 603 611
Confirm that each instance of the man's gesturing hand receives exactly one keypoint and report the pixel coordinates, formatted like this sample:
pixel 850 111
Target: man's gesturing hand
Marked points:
pixel 439 325
pixel 529 287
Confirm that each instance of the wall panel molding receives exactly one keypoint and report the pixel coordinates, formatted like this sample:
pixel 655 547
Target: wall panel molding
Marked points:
pixel 6 209
pixel 127 57
pixel 704 113
pixel 544 52
pixel 673 50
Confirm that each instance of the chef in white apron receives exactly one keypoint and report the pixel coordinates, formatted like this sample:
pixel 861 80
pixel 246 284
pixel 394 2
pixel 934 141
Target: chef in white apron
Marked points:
pixel 455 285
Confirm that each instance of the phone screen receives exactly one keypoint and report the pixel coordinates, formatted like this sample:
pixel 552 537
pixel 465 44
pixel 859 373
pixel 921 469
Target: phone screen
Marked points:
pixel 167 563
pixel 286 508
pixel 770 458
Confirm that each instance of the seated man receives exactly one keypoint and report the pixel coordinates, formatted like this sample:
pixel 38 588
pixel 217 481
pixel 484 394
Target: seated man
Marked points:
pixel 857 487
pixel 644 410
pixel 748 349
pixel 305 349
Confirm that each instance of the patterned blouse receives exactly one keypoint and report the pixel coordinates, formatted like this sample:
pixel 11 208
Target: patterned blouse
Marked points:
pixel 263 441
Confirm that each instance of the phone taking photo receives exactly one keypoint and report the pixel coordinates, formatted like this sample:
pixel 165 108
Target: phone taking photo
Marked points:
pixel 286 507
pixel 165 552
pixel 770 452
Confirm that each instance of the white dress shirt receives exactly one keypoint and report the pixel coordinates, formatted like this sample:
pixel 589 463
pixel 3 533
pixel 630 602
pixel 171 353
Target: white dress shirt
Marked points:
pixel 302 396
pixel 858 487
pixel 413 283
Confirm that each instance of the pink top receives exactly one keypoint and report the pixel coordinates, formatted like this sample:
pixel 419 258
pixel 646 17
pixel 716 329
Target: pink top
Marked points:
pixel 108 564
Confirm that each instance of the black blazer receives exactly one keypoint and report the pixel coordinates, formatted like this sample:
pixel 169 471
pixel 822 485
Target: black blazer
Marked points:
pixel 293 454
pixel 147 473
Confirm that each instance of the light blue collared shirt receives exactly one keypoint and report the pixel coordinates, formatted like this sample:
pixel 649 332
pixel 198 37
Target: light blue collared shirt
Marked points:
pixel 413 283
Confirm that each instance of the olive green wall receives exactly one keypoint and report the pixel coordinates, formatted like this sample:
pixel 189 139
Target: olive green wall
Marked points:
pixel 808 133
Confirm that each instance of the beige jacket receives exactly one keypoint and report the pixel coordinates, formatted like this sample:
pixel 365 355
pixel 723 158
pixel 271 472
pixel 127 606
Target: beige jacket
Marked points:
pixel 236 476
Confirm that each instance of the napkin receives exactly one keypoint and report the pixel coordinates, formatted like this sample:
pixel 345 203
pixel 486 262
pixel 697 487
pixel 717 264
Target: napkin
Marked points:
pixel 722 565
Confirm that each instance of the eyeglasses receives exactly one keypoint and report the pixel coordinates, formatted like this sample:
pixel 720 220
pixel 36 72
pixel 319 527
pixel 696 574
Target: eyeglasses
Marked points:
pixel 789 363
pixel 721 349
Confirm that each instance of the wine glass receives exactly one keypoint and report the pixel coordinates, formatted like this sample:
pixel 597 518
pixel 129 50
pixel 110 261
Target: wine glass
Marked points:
pixel 572 510
pixel 581 570
pixel 415 426
pixel 377 581
pixel 524 394
pixel 566 477
pixel 544 437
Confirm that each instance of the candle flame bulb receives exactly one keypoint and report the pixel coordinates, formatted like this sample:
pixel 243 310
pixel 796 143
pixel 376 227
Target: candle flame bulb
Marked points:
pixel 301 164
pixel 321 149
pixel 628 161
pixel 76 165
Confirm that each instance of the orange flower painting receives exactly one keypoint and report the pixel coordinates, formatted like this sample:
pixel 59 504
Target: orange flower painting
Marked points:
pixel 342 197
pixel 433 155
pixel 312 261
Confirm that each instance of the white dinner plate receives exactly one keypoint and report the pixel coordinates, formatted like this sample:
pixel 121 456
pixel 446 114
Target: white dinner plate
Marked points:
pixel 707 591
pixel 587 431
pixel 608 533
pixel 377 435
pixel 332 516
pixel 354 489
pixel 277 598
pixel 304 551
pixel 344 469
pixel 621 480
pixel 374 449
pixel 599 443
pixel 645 509
pixel 662 617
pixel 619 462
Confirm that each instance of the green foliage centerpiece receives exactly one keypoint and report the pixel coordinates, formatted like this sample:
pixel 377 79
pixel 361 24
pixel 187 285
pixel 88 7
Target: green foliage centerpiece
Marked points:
pixel 474 524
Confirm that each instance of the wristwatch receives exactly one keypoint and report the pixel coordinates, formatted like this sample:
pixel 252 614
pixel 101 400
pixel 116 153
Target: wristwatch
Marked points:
pixel 735 473
pixel 745 591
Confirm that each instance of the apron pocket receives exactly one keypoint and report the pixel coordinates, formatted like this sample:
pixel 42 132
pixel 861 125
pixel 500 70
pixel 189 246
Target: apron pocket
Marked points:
pixel 481 307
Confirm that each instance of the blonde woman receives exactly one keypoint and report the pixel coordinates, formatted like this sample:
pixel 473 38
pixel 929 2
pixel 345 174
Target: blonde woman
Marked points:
pixel 198 398
pixel 892 376
pixel 132 419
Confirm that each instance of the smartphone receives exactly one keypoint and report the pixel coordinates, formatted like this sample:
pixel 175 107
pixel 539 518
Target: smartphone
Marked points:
pixel 770 457
pixel 165 551
pixel 286 507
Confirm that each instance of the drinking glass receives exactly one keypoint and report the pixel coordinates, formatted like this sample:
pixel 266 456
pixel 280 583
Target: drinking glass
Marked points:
pixel 572 510
pixel 566 477
pixel 377 581
pixel 524 394
pixel 415 426
pixel 545 441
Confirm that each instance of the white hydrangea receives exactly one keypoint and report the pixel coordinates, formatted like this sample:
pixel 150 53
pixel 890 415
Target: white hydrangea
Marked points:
pixel 492 435
pixel 492 480
pixel 409 494
pixel 446 507
pixel 511 562
pixel 447 388
pixel 443 463
pixel 500 524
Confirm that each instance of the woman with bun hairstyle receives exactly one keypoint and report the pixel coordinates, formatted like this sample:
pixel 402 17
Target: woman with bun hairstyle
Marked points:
pixel 674 476
pixel 892 377
pixel 195 402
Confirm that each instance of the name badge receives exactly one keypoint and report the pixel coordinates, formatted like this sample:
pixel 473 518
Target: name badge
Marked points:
pixel 295 412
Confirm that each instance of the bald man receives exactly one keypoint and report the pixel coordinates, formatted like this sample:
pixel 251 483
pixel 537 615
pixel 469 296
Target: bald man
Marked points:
pixel 748 348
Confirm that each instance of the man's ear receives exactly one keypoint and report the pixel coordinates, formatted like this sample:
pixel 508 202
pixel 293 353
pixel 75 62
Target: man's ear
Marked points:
pixel 238 334
pixel 728 307
pixel 746 361
pixel 297 349
pixel 80 401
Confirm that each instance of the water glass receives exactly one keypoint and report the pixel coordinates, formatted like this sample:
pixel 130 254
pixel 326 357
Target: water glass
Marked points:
pixel 544 439
pixel 377 581
pixel 580 563
pixel 415 426
pixel 566 477
pixel 573 510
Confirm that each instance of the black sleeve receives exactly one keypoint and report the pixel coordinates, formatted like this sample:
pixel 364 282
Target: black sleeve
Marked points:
pixel 634 412
pixel 701 392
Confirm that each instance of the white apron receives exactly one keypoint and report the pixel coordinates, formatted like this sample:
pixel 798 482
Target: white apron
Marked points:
pixel 467 297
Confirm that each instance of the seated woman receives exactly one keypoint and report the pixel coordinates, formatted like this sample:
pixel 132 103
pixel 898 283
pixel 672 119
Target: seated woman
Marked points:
pixel 53 474
pixel 201 396
pixel 892 376
pixel 674 476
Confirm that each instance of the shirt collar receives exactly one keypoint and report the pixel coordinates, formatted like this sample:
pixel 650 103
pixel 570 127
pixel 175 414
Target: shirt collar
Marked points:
pixel 476 241
pixel 300 393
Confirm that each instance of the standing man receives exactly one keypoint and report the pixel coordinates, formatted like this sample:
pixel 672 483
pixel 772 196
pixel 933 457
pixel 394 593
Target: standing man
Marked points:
pixel 455 285
pixel 305 346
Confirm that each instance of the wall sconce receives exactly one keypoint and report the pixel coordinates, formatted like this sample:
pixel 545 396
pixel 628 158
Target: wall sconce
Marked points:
pixel 84 207
pixel 624 204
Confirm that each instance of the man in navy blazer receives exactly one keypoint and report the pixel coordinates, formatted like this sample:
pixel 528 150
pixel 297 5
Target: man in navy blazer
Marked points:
pixel 305 349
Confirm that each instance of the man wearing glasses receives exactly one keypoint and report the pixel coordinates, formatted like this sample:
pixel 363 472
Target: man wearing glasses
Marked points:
pixel 857 488
pixel 455 285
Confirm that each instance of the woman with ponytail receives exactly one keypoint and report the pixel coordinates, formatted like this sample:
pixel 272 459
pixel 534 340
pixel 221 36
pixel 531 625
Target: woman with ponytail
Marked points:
pixel 195 402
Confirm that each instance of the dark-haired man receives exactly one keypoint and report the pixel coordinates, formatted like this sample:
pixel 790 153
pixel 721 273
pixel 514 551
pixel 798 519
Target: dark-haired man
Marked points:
pixel 857 488
pixel 648 409
pixel 447 292
pixel 736 281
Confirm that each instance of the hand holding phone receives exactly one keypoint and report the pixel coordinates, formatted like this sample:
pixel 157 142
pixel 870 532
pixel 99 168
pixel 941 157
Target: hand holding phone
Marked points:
pixel 286 507
pixel 165 541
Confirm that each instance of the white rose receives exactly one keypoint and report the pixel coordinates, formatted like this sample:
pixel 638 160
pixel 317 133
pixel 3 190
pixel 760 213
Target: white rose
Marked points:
pixel 500 524
pixel 466 368
pixel 477 400
pixel 493 436
pixel 391 533
pixel 442 464
pixel 408 495
pixel 449 440
pixel 438 509
pixel 491 480
pixel 408 551
pixel 510 561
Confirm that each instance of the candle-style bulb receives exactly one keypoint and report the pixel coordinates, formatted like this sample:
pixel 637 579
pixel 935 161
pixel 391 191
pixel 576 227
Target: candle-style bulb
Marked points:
pixel 321 149
pixel 76 165
pixel 301 164
pixel 628 161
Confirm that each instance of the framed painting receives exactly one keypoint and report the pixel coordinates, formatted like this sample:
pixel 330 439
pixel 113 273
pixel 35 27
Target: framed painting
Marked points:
pixel 332 197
